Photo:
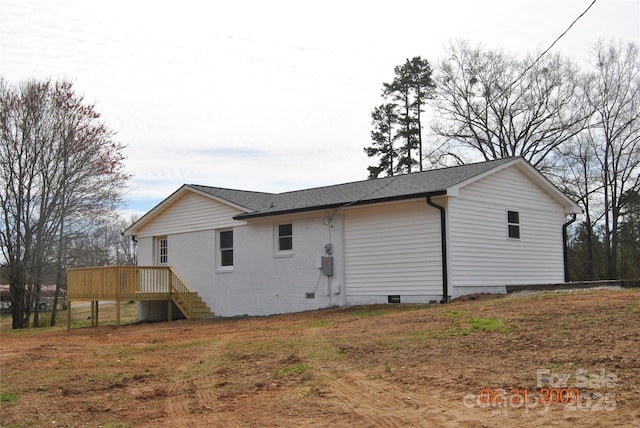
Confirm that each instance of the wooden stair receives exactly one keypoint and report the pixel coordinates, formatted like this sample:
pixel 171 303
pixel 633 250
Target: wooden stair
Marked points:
pixel 134 283
pixel 199 308
pixel 187 300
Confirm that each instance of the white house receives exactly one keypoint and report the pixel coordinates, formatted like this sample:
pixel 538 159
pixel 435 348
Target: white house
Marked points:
pixel 421 237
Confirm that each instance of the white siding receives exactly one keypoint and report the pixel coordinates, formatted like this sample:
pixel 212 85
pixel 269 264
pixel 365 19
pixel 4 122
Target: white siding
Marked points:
pixel 261 282
pixel 192 255
pixel 264 283
pixel 189 213
pixel 379 250
pixel 481 255
pixel 145 251
pixel 393 249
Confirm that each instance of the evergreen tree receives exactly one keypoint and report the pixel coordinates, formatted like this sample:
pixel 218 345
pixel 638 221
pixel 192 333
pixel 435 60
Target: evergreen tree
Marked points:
pixel 423 89
pixel 383 120
pixel 411 87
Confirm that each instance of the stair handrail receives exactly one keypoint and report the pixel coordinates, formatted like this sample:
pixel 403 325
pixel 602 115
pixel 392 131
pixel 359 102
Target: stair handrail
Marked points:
pixel 180 287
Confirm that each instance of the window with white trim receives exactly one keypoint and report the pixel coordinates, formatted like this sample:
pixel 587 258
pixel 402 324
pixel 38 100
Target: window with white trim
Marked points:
pixel 513 224
pixel 225 249
pixel 285 237
pixel 162 250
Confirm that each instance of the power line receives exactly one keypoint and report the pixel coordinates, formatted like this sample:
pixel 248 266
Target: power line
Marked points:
pixel 335 211
pixel 554 43
pixel 530 66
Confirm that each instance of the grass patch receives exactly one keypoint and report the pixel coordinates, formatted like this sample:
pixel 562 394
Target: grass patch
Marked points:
pixel 487 324
pixel 634 306
pixel 454 314
pixel 458 324
pixel 8 397
pixel 461 325
pixel 322 323
pixel 292 369
pixel 422 335
pixel 80 317
pixel 292 359
pixel 364 314
pixel 249 350
pixel 315 348
pixel 115 425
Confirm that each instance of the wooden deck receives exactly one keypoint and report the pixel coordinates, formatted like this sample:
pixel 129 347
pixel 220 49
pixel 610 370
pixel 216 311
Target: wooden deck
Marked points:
pixel 132 283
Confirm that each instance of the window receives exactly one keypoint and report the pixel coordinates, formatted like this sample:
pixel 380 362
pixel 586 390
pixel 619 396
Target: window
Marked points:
pixel 285 237
pixel 513 224
pixel 162 250
pixel 225 248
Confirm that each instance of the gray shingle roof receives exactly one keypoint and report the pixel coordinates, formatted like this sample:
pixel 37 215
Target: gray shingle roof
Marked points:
pixel 259 204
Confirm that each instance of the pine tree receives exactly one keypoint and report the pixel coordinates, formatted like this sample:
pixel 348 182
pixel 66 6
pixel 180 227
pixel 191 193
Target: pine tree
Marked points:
pixel 411 87
pixel 383 119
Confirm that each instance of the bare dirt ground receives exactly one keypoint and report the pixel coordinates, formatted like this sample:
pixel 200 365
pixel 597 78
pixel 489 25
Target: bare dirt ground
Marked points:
pixel 387 366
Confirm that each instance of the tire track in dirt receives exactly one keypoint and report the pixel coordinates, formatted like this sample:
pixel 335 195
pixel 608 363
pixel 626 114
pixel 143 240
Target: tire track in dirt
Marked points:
pixel 383 404
pixel 379 403
pixel 182 399
pixel 189 405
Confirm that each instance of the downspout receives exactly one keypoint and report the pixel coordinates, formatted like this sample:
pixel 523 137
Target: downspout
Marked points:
pixel 443 241
pixel 564 248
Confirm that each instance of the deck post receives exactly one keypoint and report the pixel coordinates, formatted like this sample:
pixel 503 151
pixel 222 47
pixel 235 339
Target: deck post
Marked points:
pixel 120 285
pixel 97 304
pixel 118 314
pixel 169 302
pixel 68 314
pixel 123 283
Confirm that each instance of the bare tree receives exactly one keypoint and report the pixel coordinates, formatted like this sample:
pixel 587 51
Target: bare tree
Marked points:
pixel 22 142
pixel 499 106
pixel 629 242
pixel 59 163
pixel 578 177
pixel 613 92
pixel 98 241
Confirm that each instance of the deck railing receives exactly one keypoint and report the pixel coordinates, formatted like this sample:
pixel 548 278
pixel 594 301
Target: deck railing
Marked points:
pixel 119 283
pixel 126 283
pixel 181 293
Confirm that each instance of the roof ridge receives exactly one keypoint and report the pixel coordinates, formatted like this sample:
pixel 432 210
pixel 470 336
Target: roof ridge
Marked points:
pixel 393 177
pixel 233 190
pixel 370 180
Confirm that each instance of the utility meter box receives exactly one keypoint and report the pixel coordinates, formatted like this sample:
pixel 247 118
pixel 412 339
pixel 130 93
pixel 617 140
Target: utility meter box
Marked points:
pixel 327 265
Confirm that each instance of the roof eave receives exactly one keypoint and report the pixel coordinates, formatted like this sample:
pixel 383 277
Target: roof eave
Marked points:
pixel 233 204
pixel 261 214
pixel 151 214
pixel 569 205
pixel 138 224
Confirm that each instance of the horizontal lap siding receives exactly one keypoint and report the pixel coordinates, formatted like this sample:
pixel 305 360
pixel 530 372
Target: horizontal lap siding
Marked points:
pixel 190 213
pixel 393 250
pixel 481 253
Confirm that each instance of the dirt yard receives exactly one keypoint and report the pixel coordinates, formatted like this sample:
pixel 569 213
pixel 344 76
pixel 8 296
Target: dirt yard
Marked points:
pixel 550 359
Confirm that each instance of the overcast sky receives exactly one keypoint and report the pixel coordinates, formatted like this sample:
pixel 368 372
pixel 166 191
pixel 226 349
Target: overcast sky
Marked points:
pixel 265 95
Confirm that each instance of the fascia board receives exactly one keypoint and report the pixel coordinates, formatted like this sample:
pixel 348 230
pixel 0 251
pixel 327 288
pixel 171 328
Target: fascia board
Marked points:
pixel 570 207
pixel 168 201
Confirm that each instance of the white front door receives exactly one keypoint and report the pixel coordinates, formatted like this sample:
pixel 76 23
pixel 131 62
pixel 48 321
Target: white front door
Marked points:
pixel 162 251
